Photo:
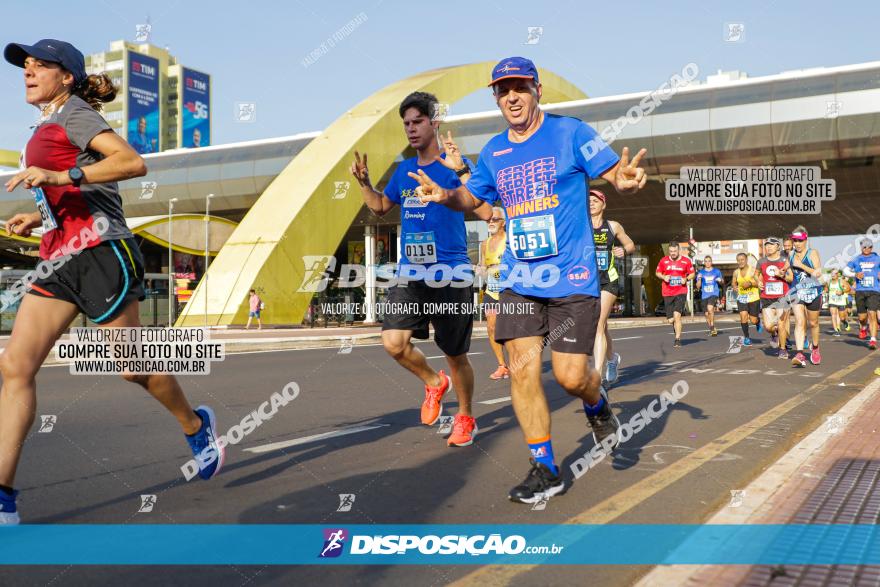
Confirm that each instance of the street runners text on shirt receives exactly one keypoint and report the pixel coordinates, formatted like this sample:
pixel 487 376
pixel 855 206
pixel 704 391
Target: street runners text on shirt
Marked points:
pixel 429 308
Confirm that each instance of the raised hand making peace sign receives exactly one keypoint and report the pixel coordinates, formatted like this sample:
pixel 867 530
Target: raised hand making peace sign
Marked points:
pixel 360 171
pixel 453 159
pixel 629 177
pixel 428 190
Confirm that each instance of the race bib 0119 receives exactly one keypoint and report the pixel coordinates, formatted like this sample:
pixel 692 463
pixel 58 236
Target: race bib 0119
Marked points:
pixel 420 248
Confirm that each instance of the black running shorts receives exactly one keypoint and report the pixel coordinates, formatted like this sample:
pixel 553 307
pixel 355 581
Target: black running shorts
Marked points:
pixel 568 323
pixel 753 308
pixel 867 300
pixel 101 280
pixel 448 309
pixel 674 304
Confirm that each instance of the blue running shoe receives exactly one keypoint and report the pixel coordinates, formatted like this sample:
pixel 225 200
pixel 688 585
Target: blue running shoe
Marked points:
pixel 209 454
pixel 758 325
pixel 747 341
pixel 8 511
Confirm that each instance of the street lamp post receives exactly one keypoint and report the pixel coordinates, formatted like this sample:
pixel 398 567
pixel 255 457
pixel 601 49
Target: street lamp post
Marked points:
pixel 207 249
pixel 170 265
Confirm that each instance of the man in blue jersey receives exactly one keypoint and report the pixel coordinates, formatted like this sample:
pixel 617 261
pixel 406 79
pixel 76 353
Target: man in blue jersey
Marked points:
pixel 710 283
pixel 434 273
pixel 866 269
pixel 538 170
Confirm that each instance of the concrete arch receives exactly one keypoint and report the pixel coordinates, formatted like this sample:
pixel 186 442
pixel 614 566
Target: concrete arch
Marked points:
pixel 301 214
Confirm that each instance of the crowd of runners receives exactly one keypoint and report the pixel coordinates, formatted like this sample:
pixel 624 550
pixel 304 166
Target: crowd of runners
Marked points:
pixel 530 183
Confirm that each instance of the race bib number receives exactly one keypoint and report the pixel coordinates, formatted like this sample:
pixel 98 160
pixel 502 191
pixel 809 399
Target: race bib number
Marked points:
pixel 533 237
pixel 867 281
pixel 602 260
pixel 46 216
pixel 773 288
pixel 709 288
pixel 676 281
pixel 420 248
pixel 807 295
pixel 743 298
pixel 493 281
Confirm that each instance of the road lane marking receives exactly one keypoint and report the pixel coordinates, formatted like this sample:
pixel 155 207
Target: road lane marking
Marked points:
pixel 314 438
pixel 444 356
pixel 497 400
pixel 623 501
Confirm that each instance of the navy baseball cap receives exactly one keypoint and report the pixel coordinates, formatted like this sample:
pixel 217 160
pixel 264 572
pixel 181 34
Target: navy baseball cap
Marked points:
pixel 519 67
pixel 51 50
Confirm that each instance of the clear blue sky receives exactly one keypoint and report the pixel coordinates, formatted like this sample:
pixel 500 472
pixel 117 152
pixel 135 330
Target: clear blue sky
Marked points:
pixel 254 49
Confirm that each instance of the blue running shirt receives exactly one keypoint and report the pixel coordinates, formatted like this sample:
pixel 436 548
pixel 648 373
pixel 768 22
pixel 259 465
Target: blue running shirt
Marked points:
pixel 542 185
pixel 431 234
pixel 709 282
pixel 870 266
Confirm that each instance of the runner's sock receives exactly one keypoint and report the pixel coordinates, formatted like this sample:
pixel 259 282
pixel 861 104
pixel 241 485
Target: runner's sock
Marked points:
pixel 7 490
pixel 745 329
pixel 596 409
pixel 542 452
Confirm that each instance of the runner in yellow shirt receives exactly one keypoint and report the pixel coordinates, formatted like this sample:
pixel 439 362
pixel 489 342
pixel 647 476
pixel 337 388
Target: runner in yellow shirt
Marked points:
pixel 491 250
pixel 748 296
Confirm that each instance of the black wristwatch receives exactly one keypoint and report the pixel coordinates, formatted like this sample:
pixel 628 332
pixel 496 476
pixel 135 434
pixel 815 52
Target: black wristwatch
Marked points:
pixel 76 175
pixel 461 172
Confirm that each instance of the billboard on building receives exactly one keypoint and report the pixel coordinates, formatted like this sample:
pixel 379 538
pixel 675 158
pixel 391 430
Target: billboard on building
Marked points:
pixel 195 99
pixel 143 103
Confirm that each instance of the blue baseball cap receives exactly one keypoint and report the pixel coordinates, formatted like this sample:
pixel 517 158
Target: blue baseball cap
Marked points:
pixel 519 67
pixel 51 50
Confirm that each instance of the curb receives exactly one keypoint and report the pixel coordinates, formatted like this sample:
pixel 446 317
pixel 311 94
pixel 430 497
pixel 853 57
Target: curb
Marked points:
pixel 758 494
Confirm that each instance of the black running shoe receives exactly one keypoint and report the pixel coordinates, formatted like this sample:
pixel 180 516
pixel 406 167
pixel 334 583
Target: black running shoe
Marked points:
pixel 540 484
pixel 604 423
pixel 677 342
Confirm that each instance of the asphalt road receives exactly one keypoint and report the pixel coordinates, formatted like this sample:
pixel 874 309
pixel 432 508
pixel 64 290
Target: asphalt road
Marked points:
pixel 354 429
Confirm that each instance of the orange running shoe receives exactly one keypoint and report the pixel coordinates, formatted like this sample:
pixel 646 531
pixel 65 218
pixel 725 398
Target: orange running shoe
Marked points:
pixel 432 407
pixel 464 430
pixel 501 372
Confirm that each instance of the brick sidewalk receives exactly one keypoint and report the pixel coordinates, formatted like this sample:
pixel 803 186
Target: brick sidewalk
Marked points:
pixel 830 477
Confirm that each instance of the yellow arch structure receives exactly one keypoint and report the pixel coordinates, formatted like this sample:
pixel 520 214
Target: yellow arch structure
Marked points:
pixel 308 208
pixel 9 158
